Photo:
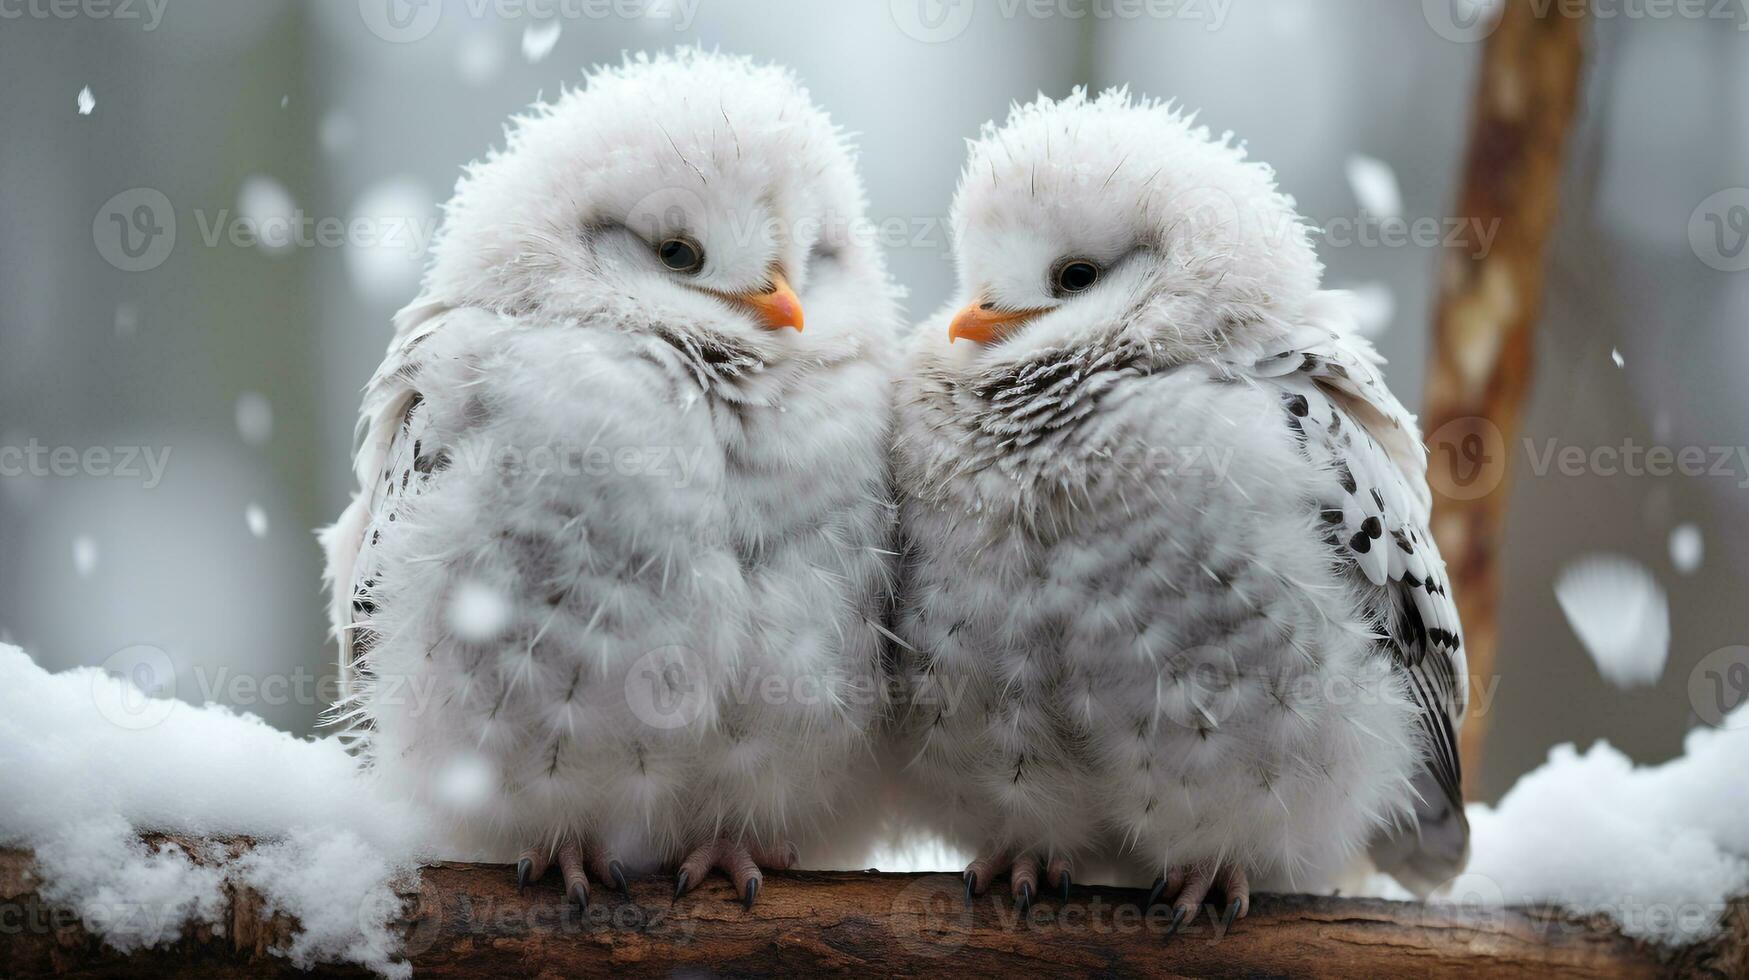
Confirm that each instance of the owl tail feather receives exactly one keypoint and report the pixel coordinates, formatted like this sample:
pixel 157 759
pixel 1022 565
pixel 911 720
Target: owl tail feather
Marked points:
pixel 1428 850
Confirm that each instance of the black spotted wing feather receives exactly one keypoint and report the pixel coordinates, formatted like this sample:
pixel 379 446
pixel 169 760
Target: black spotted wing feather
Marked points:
pixel 1376 519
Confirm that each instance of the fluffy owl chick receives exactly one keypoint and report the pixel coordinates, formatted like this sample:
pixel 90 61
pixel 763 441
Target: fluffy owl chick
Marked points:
pixel 606 593
pixel 1165 532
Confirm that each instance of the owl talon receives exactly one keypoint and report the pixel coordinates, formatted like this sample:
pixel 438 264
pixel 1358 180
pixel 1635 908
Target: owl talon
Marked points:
pixel 1023 901
pixel 739 860
pixel 971 878
pixel 618 873
pixel 523 867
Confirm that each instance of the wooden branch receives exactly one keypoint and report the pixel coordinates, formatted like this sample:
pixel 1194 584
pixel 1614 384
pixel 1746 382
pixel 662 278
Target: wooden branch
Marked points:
pixel 468 920
pixel 1488 303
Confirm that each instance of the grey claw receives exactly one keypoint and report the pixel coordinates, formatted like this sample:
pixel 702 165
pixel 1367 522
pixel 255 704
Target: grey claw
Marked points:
pixel 523 868
pixel 971 886
pixel 752 893
pixel 1154 895
pixel 1232 913
pixel 1023 901
pixel 680 886
pixel 1177 920
pixel 1066 884
pixel 619 877
pixel 580 895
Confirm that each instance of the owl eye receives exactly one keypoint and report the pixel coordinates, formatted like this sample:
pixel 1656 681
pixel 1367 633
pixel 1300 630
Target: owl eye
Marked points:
pixel 1074 276
pixel 681 254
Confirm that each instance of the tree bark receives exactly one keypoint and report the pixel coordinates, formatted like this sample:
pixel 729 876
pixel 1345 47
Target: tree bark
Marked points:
pixel 468 920
pixel 1489 299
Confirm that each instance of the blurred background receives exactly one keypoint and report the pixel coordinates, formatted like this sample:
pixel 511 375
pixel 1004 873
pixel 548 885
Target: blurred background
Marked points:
pixel 209 211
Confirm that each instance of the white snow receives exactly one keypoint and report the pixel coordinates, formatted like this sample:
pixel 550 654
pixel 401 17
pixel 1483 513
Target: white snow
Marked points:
pixel 1375 186
pixel 87 101
pixel 1659 849
pixel 1375 306
pixel 84 555
pixel 1687 548
pixel 1615 355
pixel 479 58
pixel 538 39
pixel 256 519
pixel 254 414
pixel 402 216
pixel 87 762
pixel 478 613
pixel 337 132
pixel 270 212
pixel 1620 614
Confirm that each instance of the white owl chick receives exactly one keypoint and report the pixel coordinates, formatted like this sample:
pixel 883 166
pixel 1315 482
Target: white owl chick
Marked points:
pixel 1166 529
pixel 606 595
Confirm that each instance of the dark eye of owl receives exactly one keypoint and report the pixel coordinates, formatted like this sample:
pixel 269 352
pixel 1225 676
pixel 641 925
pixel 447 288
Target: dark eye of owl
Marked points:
pixel 681 254
pixel 1074 276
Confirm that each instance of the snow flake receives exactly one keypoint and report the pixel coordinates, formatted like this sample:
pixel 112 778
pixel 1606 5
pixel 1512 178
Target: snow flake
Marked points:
pixel 538 40
pixel 1620 614
pixel 1375 186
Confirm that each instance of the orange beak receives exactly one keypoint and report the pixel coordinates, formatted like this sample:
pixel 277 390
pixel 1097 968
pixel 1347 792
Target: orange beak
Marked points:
pixel 982 323
pixel 775 308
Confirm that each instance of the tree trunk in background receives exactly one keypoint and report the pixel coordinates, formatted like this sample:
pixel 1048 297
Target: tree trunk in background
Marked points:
pixel 468 920
pixel 1526 99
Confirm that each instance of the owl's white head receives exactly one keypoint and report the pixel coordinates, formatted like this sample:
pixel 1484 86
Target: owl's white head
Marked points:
pixel 1083 218
pixel 692 189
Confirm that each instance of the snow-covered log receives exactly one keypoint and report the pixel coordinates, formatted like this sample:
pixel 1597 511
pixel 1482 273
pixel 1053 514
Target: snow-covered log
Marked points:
pixel 468 920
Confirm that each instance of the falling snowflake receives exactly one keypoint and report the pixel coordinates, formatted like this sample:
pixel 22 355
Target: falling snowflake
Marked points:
pixel 127 320
pixel 84 555
pixel 403 215
pixel 87 101
pixel 478 613
pixel 336 132
pixel 465 783
pixel 479 58
pixel 254 418
pixel 1375 305
pixel 1615 355
pixel 538 40
pixel 1620 614
pixel 1375 186
pixel 270 210
pixel 256 518
pixel 1687 548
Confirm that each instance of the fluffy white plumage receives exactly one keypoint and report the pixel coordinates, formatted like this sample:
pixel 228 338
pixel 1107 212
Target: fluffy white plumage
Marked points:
pixel 1169 530
pixel 680 506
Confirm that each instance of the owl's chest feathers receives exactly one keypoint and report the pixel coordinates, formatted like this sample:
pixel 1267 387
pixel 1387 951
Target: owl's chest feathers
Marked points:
pixel 1023 440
